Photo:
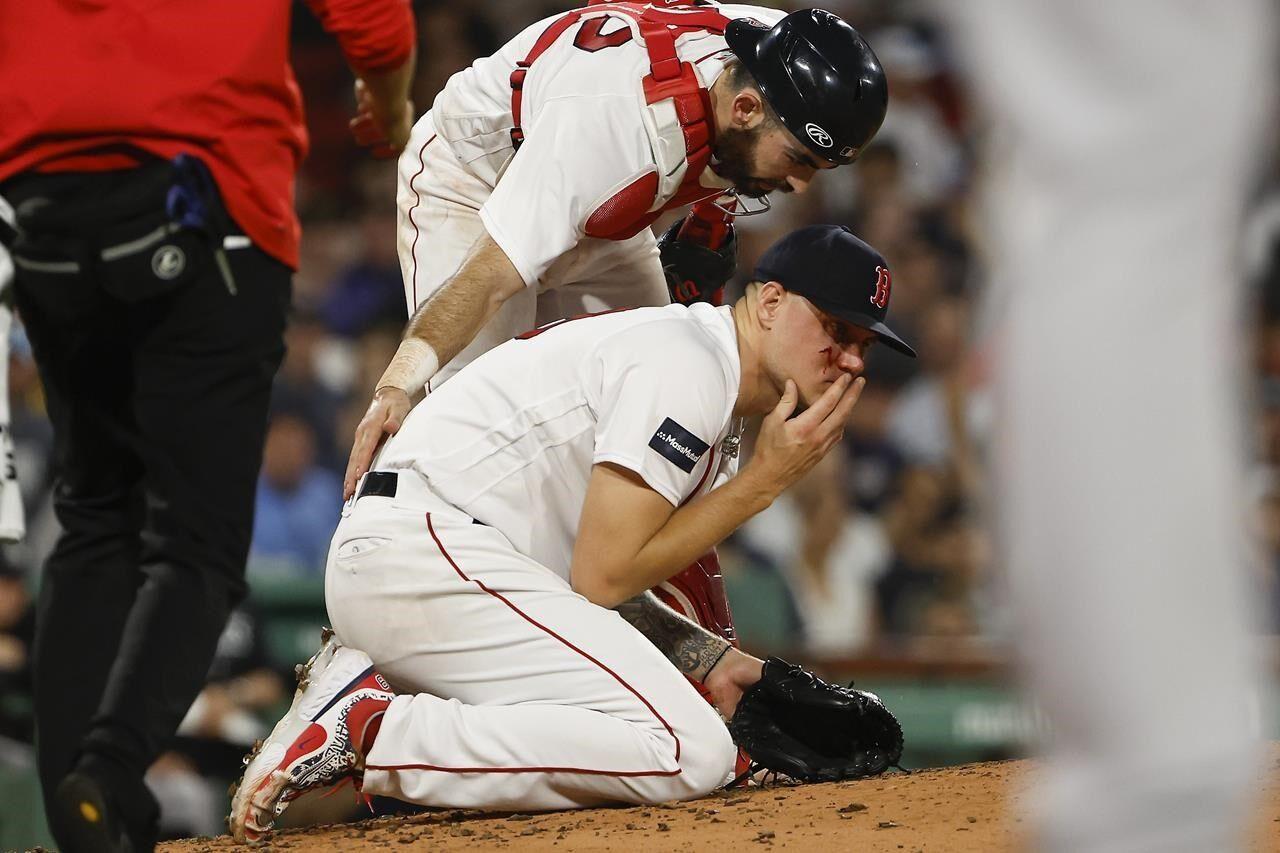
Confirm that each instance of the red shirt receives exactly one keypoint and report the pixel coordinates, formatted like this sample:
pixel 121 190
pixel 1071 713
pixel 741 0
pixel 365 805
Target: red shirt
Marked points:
pixel 206 77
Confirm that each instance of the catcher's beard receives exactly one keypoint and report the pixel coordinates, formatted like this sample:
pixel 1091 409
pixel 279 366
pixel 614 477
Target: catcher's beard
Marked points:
pixel 735 152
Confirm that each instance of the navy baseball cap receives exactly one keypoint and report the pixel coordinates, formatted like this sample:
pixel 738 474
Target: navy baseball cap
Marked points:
pixel 837 272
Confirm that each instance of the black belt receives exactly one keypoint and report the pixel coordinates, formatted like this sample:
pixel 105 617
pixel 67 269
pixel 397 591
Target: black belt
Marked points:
pixel 378 483
pixel 382 484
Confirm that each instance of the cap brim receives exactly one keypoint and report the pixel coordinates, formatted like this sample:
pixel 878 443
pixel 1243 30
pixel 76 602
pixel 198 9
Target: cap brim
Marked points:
pixel 887 336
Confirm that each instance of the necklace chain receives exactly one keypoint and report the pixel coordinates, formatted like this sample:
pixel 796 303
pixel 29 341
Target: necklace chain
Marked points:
pixel 733 441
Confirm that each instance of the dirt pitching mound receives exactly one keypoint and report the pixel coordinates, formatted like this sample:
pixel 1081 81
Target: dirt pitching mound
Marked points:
pixel 957 809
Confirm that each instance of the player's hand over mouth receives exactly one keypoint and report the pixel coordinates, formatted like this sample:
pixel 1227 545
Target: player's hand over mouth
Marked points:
pixel 787 446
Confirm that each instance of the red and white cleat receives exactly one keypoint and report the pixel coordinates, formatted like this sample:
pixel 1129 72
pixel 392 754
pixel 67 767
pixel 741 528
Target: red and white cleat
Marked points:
pixel 321 740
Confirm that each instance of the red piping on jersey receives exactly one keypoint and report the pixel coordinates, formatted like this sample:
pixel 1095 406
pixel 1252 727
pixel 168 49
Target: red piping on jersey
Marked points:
pixel 668 79
pixel 417 200
pixel 548 631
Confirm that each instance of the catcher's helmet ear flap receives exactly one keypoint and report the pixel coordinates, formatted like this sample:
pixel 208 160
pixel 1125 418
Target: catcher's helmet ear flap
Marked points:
pixel 819 75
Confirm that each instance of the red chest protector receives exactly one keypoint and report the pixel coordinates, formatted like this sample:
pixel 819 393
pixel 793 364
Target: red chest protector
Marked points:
pixel 660 23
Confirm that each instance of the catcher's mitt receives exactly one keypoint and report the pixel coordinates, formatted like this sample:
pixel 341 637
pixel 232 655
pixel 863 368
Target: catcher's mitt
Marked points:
pixel 796 724
pixel 696 273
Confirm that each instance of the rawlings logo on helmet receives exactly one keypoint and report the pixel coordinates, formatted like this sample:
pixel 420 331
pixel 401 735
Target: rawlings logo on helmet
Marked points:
pixel 880 298
pixel 818 135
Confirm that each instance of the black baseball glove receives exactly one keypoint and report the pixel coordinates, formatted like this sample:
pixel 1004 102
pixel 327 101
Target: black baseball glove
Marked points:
pixel 694 272
pixel 796 724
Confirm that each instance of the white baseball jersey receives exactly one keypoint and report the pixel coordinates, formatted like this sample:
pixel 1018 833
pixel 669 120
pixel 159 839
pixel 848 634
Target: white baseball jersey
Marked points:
pixel 592 144
pixel 512 442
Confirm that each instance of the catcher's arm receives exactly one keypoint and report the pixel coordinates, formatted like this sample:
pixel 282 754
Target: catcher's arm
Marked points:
pixel 694 650
pixel 439 329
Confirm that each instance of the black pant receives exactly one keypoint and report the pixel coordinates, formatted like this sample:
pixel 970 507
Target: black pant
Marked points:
pixel 158 379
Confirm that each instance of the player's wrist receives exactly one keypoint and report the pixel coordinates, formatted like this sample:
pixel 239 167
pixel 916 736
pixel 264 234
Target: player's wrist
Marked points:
pixel 757 488
pixel 734 667
pixel 716 661
pixel 413 365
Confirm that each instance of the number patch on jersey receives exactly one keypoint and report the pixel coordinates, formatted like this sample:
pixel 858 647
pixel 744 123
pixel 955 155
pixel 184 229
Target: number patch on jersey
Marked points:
pixel 678 446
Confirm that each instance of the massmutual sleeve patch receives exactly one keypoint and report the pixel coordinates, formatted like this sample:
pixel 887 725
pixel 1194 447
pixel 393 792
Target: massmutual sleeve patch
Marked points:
pixel 680 447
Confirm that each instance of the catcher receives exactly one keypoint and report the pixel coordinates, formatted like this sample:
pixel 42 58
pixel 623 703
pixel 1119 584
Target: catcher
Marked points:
pixel 496 643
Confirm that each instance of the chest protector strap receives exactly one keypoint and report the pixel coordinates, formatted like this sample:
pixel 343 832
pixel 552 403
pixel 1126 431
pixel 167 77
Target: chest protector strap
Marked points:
pixel 659 23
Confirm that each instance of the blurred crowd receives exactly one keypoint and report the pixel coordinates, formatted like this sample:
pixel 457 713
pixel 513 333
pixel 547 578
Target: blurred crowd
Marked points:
pixel 883 546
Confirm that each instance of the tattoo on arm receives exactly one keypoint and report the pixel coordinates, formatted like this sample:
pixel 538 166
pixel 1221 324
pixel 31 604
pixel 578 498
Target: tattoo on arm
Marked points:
pixel 693 649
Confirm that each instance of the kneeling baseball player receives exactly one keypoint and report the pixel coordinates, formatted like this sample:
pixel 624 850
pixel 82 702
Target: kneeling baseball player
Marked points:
pixel 496 645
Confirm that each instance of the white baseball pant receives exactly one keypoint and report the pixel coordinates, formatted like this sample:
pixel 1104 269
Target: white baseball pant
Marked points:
pixel 439 200
pixel 517 693
pixel 1124 138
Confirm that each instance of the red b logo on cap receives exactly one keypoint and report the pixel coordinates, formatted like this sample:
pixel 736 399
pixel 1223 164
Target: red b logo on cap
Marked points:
pixel 880 298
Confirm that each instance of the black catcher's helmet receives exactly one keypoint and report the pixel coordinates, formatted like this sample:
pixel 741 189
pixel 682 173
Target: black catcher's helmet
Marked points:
pixel 819 75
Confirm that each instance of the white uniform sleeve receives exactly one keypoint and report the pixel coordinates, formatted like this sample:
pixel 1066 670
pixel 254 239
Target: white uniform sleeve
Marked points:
pixel 578 154
pixel 661 409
